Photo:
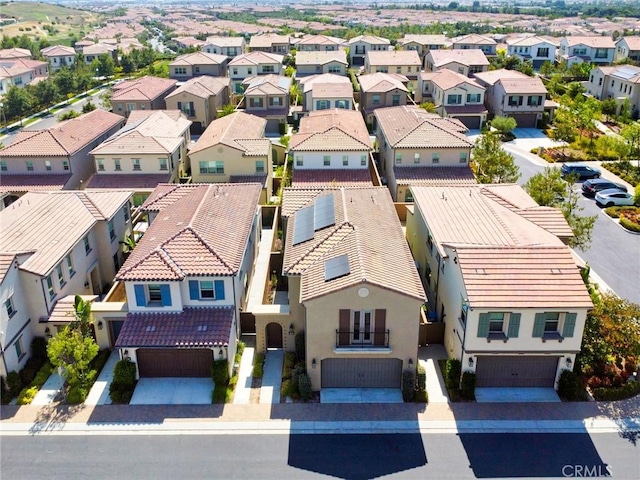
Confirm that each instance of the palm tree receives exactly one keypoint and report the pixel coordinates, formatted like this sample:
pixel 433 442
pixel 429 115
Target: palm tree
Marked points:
pixel 82 317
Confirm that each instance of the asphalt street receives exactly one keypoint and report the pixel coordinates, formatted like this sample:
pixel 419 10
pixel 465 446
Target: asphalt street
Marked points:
pixel 614 253
pixel 437 456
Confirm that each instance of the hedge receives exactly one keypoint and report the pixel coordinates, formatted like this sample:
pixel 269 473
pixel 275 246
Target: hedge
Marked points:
pixel 304 387
pixel 258 366
pixel 420 394
pixel 628 390
pixel 570 387
pixel 408 385
pixel 468 386
pixel 124 381
pixel 629 225
pixel 453 370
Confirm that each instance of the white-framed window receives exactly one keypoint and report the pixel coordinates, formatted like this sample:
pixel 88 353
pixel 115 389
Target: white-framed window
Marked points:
pixel 100 164
pixel 112 231
pixel 9 307
pixel 50 288
pixel 87 245
pixel 259 166
pixel 362 327
pixel 29 165
pixel 70 270
pixel 299 161
pixel 136 164
pixel 117 165
pixel 326 160
pixel 60 274
pixel 473 97
pixel 435 158
pixel 212 166
pixel 47 165
pixel 463 157
pixel 454 99
pixel 398 158
pixel 3 165
pixel 180 70
pixel 363 160
pixel 164 165
pixel 416 158
pixel 20 351
pixel 207 290
pixel 65 165
pixel 268 69
pixel 345 160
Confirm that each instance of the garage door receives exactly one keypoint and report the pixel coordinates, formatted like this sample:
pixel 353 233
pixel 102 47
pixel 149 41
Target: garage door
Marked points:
pixel 517 371
pixel 361 373
pixel 156 362
pixel 273 125
pixel 525 121
pixel 470 122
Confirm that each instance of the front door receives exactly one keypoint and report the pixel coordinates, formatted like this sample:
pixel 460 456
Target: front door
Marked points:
pixel 362 327
pixel 274 335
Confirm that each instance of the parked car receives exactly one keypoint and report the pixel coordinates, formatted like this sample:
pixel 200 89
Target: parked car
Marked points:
pixel 609 198
pixel 582 171
pixel 595 185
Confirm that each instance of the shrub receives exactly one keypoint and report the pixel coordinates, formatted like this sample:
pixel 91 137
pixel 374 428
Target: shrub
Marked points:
pixel 286 389
pixel 629 225
pixel 289 360
pixel 28 373
pixel 570 386
pixel 628 390
pixel 304 386
pixel 5 394
pixel 14 383
pixel 408 385
pixel 258 366
pixel 77 395
pixel 121 393
pixel 636 198
pixel 239 351
pixel 468 386
pixel 300 348
pixel 297 372
pixel 42 376
pixel 27 395
pixel 282 128
pixel 420 394
pixel 39 348
pixel 124 373
pixel 452 372
pixel 220 372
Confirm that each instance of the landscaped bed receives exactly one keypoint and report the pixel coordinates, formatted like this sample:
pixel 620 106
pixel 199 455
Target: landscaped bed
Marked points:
pixel 629 217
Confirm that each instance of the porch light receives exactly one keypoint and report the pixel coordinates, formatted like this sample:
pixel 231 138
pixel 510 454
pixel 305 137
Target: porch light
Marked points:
pixel 470 362
pixel 411 363
pixel 291 330
pixel 313 363
pixel 100 325
pixel 47 332
pixel 568 362
pixel 125 354
pixel 221 353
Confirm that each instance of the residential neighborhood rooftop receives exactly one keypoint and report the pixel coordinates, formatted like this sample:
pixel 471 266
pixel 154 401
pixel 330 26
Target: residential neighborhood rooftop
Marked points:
pixel 382 82
pixel 199 58
pixel 203 86
pixel 337 129
pixel 320 57
pixel 472 56
pixel 393 58
pixel 239 130
pixel 146 88
pixel 256 58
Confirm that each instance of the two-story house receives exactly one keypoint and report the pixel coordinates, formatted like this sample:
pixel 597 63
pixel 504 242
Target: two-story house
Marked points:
pixel 59 56
pixel 534 49
pixel 620 82
pixel 186 282
pixel 270 43
pixel 198 63
pixel 402 62
pixel 189 42
pixel 14 73
pixel 319 62
pixel 15 52
pixel 251 64
pixel 57 157
pixel 326 91
pixel 360 45
pixel 420 148
pixel 144 93
pixel 423 44
pixel 318 43
pixel 513 94
pixel 199 99
pixel 92 52
pixel 332 147
pixel 454 95
pixel 527 327
pixel 627 48
pixel 150 149
pixel 233 149
pixel 267 96
pixel 475 41
pixel 578 49
pixel 380 90
pixel 465 62
pixel 228 46
pixel 73 246
pixel 354 292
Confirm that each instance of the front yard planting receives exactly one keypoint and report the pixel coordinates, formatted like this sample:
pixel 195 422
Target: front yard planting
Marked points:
pixel 629 217
pixel 225 384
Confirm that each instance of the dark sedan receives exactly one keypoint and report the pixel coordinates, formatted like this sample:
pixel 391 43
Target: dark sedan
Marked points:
pixel 595 185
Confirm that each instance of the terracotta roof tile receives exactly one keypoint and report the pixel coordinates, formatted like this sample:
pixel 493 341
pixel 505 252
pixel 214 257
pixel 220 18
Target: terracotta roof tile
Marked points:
pixel 225 41
pixel 425 39
pixel 309 178
pixel 432 176
pixel 203 86
pixel 446 79
pixel 394 58
pixel 6 261
pixel 591 41
pixel 267 40
pixel 257 178
pixel 199 58
pixel 256 58
pixel 473 56
pixel 319 40
pixel 331 90
pixel 382 82
pixel 324 79
pixel 32 183
pixel 331 130
pixel 320 58
pixel 58 50
pixel 242 131
pixel 133 181
pixel 523 85
pixel 191 328
pixel 474 39
pixel 15 53
pixel 142 89
pixel 64 309
pixel 370 39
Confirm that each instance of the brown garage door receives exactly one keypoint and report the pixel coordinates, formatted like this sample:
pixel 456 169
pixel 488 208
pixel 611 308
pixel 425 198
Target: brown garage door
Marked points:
pixel 470 122
pixel 520 371
pixel 361 373
pixel 170 362
pixel 525 121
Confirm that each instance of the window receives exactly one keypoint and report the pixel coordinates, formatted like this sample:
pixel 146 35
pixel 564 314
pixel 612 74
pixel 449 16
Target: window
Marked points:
pixel 496 322
pixel 551 322
pixel 20 352
pixel 398 158
pixel 363 160
pixel 463 157
pixel 534 101
pixel 416 158
pixel 259 166
pixel 47 165
pixel 163 164
pixel 154 293
pixel 601 53
pixel 61 281
pixel 344 104
pixel 3 165
pixel 454 99
pixel 375 99
pixel 345 160
pixel 116 262
pixel 112 232
pixel 408 196
pixel 119 107
pixel 255 102
pixel 326 160
pixel 515 100
pixel 250 71
pixel 335 69
pixel 136 164
pixel 275 101
pixel 87 245
pixel 180 70
pixel 473 97
pixel 234 71
pixel 197 69
pixel 542 52
pixel 131 107
pixel 398 69
pixel 29 165
pixel 116 164
pixel 580 51
pixel 206 290
pixel 322 105
pixel 70 269
pixel 8 306
pixel 212 166
pixel 395 100
pixel 268 69
pixel 125 211
pixel 435 158
pixel 50 289
pixel 100 165
pixel 299 161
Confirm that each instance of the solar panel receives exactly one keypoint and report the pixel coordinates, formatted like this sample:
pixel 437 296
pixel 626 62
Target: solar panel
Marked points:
pixel 324 214
pixel 303 225
pixel 626 72
pixel 336 267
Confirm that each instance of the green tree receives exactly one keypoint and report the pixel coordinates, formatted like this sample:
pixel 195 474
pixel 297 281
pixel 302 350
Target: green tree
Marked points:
pixel 587 112
pixel 17 102
pixel 428 107
pixel 504 125
pixel 127 64
pixel 88 107
pixel 564 129
pixel 46 93
pixel 73 352
pixel 491 163
pixel 631 134
pixel 547 188
pixel 609 108
pixel 226 110
pixel 104 65
pixel 65 81
pixel 68 115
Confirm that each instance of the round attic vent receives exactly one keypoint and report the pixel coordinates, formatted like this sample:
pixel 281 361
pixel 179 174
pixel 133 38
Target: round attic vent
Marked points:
pixel 363 292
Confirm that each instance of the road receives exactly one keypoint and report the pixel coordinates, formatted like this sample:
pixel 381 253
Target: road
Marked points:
pixel 265 456
pixel 614 254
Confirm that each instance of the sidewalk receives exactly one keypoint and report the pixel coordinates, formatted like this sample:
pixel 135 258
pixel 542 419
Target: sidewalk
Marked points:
pixel 272 378
pixel 49 390
pixel 428 357
pixel 99 393
pixel 243 387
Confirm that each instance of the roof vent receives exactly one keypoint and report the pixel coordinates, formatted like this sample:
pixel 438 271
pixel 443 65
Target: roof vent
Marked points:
pixel 481 271
pixel 151 328
pixel 556 271
pixel 202 328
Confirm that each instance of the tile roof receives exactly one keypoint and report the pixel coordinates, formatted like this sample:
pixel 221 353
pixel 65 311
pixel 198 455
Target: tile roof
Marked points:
pixel 98 49
pixel 203 86
pixel 494 76
pixel 49 224
pixel 142 89
pixel 325 78
pixel 360 215
pixel 201 229
pixel 528 41
pixel 632 42
pixel 382 82
pixel 239 130
pixel 320 58
pixel 64 309
pixel 58 50
pixel 446 79
pixel 332 130
pixel 522 277
pixel 473 56
pixel 6 261
pixel 319 40
pixel 199 58
pixel 331 90
pixel 267 40
pixel 474 39
pixel 424 39
pixel 335 177
pixel 32 183
pixel 591 41
pixel 15 53
pixel 371 39
pixel 411 127
pixel 64 139
pixel 267 85
pixel 428 175
pixel 10 71
pixel 256 58
pixel 260 178
pixel 133 181
pixel 628 73
pixel 465 109
pixel 523 85
pixel 394 58
pixel 225 41
pixel 191 328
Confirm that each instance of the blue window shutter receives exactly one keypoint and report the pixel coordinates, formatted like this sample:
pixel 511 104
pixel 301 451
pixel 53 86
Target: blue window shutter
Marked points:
pixel 569 324
pixel 141 296
pixel 483 325
pixel 538 325
pixel 194 290
pixel 165 295
pixel 514 325
pixel 219 286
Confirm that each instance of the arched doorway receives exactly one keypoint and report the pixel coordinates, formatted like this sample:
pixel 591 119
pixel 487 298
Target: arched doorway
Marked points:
pixel 274 335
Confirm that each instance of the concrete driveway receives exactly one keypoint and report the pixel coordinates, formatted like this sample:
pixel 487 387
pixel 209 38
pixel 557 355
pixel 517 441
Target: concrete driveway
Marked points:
pixel 173 391
pixel 361 395
pixel 509 395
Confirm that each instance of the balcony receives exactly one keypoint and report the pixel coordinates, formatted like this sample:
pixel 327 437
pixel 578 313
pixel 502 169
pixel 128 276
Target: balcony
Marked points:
pixel 361 340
